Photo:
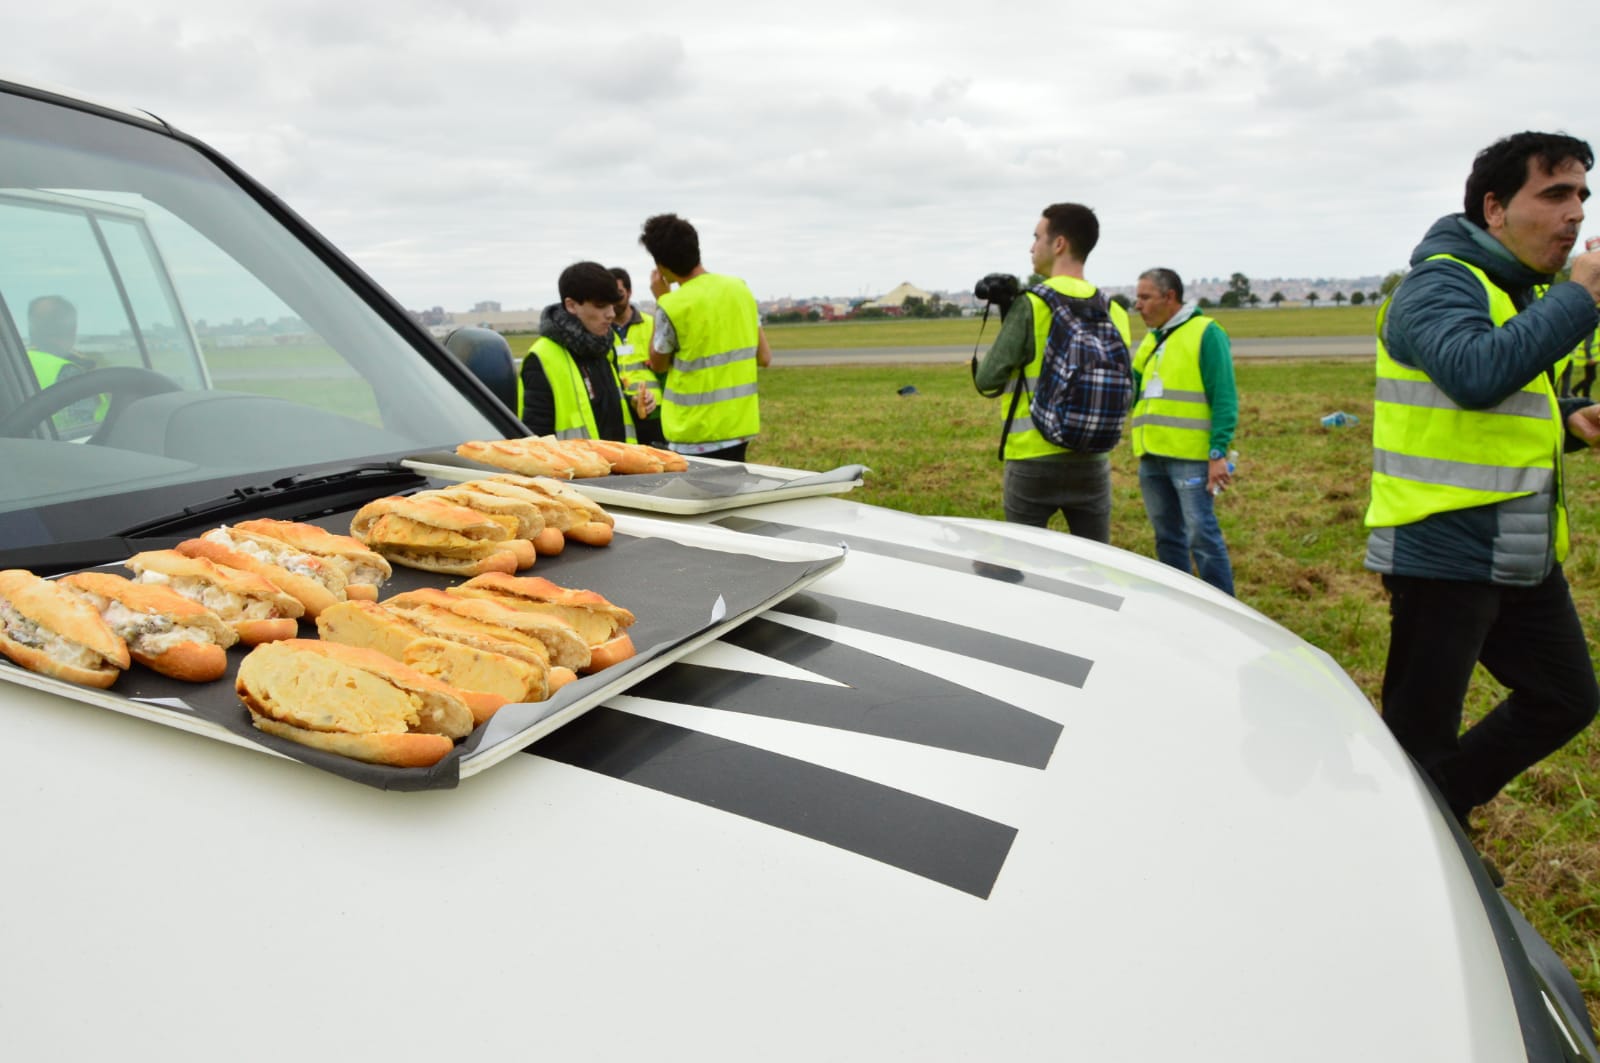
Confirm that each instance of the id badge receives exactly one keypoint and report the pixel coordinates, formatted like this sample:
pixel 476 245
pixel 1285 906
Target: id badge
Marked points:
pixel 1152 387
pixel 625 348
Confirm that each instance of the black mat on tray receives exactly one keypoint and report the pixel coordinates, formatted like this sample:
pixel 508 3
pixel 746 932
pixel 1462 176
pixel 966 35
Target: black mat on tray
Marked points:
pixel 671 589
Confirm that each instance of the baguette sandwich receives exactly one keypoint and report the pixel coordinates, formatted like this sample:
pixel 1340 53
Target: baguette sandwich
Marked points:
pixel 256 609
pixel 489 671
pixel 164 631
pixel 536 456
pixel 486 679
pixel 635 458
pixel 436 535
pixel 49 629
pixel 601 624
pixel 351 701
pixel 560 639
pixel 578 516
pixel 365 571
pixel 314 582
pixel 523 518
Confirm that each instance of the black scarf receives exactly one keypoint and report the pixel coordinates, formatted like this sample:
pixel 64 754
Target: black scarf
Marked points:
pixel 562 325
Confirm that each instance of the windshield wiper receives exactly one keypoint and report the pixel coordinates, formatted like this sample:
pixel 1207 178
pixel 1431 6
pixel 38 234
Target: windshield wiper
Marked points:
pixel 356 482
pixel 291 498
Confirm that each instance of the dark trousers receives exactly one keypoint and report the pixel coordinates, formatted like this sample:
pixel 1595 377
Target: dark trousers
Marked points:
pixel 1034 488
pixel 1528 638
pixel 733 453
pixel 648 432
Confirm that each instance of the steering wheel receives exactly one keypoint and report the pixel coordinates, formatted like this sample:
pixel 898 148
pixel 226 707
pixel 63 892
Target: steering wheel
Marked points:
pixel 124 383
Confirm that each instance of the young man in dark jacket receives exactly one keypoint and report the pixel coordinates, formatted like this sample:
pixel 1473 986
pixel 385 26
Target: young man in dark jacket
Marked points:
pixel 1468 521
pixel 570 387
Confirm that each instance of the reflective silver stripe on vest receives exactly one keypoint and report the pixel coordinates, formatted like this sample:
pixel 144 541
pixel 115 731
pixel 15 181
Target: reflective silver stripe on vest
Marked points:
pixel 1497 478
pixel 1425 394
pixel 1166 421
pixel 706 398
pixel 1021 423
pixel 1184 396
pixel 579 432
pixel 711 361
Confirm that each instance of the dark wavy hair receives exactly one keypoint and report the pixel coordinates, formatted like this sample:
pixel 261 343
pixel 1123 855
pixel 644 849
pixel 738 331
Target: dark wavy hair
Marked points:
pixel 672 242
pixel 1502 167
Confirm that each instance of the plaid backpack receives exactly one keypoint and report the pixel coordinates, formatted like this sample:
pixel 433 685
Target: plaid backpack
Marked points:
pixel 1085 384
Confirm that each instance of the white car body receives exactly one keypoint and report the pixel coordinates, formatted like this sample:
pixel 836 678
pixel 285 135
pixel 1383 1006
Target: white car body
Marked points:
pixel 980 792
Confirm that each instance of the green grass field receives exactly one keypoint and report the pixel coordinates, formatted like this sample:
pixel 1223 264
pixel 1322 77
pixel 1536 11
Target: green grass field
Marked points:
pixel 1293 522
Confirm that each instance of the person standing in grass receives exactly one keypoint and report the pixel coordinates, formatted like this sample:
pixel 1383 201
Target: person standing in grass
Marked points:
pixel 708 342
pixel 1040 477
pixel 1468 519
pixel 1184 414
pixel 630 350
pixel 569 386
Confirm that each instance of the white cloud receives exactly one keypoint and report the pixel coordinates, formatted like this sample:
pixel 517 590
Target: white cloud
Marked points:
pixel 471 149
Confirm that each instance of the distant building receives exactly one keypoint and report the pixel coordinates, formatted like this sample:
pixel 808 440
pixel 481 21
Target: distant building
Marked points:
pixel 442 323
pixel 894 300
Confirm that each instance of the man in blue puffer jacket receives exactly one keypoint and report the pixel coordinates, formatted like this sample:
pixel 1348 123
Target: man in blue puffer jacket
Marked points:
pixel 1468 519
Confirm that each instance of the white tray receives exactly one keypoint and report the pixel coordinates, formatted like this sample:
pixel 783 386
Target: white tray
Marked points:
pixel 197 708
pixel 674 492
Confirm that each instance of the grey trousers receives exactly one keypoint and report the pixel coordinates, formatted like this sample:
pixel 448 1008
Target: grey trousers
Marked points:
pixel 1080 488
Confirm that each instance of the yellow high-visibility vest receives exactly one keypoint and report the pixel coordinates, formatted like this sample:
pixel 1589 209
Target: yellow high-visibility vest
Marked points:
pixel 1431 456
pixel 1177 422
pixel 710 392
pixel 574 413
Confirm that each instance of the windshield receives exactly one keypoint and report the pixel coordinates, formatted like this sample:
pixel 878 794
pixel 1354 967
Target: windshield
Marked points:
pixel 163 336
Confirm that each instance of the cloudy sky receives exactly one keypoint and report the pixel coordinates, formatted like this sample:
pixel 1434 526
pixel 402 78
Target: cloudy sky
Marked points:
pixel 462 150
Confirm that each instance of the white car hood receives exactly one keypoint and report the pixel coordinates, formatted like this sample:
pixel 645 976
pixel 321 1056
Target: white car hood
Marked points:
pixel 1160 825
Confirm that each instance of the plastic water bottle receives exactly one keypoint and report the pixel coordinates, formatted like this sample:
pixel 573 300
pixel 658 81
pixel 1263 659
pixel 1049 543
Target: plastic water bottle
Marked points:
pixel 1233 459
pixel 1338 419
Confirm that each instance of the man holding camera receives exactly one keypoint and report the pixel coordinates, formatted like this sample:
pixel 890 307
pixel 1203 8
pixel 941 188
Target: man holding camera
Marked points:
pixel 1040 477
pixel 1468 516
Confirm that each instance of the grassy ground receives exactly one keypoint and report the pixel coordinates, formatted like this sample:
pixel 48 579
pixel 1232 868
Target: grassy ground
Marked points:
pixel 1293 526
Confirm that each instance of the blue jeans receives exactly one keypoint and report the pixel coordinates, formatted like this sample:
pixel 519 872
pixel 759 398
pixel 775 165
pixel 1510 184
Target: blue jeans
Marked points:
pixel 1184 520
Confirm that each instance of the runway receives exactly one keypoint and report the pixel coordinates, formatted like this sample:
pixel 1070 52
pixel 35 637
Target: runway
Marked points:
pixel 1284 347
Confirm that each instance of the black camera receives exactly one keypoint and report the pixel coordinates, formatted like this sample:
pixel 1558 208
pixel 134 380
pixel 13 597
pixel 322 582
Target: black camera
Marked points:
pixel 1000 288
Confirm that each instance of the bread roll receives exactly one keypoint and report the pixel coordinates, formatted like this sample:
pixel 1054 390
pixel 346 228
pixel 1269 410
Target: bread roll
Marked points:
pixel 48 629
pixel 314 582
pixel 433 534
pixel 256 609
pixel 370 626
pixel 489 679
pixel 597 621
pixel 365 570
pixel 164 631
pixel 352 701
pixel 566 647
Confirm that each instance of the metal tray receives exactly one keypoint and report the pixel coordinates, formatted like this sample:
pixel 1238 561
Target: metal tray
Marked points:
pixel 710 484
pixel 685 583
